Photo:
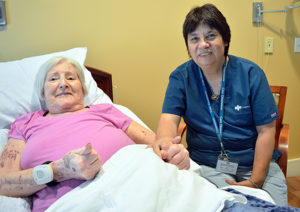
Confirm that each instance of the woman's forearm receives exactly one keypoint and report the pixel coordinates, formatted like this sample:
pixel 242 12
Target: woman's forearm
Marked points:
pixel 263 152
pixel 14 181
pixel 167 126
pixel 140 134
pixel 18 184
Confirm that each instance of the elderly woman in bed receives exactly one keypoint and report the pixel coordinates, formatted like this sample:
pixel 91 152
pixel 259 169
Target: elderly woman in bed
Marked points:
pixel 51 152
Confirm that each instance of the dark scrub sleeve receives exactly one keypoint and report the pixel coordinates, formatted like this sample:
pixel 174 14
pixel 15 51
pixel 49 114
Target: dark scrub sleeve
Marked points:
pixel 263 104
pixel 174 102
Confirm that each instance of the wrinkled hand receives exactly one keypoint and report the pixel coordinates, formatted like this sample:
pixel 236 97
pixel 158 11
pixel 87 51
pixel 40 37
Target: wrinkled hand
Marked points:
pixel 242 183
pixel 171 151
pixel 83 163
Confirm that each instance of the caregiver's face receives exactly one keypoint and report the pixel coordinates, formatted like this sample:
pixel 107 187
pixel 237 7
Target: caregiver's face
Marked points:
pixel 206 46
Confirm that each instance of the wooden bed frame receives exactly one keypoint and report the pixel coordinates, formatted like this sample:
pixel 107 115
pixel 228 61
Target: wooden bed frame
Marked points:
pixel 103 80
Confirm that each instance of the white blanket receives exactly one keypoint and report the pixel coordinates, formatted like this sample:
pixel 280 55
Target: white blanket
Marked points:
pixel 135 179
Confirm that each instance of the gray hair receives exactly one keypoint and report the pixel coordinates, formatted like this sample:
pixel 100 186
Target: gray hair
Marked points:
pixel 48 65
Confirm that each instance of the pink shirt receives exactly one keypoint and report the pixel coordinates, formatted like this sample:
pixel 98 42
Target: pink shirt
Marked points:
pixel 50 138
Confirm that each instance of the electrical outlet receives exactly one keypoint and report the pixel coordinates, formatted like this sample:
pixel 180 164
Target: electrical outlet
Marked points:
pixel 269 45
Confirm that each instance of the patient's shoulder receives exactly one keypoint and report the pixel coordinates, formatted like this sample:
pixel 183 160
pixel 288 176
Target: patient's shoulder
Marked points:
pixel 30 116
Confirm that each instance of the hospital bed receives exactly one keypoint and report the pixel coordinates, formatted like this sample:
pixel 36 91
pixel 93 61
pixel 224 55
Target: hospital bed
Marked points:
pixel 134 179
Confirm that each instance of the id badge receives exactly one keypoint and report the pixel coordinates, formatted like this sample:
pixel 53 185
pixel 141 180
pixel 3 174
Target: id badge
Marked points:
pixel 226 165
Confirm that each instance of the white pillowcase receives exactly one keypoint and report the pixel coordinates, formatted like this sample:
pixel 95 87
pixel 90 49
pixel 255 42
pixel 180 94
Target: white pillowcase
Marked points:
pixel 15 204
pixel 3 138
pixel 17 94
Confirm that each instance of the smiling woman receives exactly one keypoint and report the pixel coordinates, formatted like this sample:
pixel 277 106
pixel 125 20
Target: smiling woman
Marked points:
pixel 64 145
pixel 63 87
pixel 206 47
pixel 228 107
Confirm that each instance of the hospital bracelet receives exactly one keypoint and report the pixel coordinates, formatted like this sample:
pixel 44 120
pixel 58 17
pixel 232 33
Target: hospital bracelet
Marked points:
pixel 253 183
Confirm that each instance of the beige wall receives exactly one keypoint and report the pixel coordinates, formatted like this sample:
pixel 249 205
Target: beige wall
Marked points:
pixel 140 43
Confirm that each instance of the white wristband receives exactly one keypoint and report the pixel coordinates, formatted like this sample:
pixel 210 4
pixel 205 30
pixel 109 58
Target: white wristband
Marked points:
pixel 42 174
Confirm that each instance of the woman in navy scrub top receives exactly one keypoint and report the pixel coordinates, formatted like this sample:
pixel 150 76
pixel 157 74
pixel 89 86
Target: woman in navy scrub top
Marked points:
pixel 228 107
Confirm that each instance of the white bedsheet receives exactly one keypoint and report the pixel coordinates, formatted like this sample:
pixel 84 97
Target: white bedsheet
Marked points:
pixel 135 179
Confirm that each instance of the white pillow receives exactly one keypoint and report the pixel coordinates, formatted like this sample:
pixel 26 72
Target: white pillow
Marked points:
pixel 15 204
pixel 3 138
pixel 17 94
pixel 95 95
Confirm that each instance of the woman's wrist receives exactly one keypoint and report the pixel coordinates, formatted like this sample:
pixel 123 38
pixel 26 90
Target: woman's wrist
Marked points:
pixel 256 181
pixel 58 167
pixel 254 184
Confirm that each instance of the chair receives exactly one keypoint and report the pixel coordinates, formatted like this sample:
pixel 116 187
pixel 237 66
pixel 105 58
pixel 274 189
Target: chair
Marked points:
pixel 282 130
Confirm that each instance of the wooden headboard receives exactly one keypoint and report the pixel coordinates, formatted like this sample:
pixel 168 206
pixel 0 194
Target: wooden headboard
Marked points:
pixel 103 80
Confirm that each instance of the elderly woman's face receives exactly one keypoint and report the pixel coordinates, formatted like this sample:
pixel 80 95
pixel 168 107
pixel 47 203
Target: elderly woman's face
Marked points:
pixel 206 46
pixel 63 90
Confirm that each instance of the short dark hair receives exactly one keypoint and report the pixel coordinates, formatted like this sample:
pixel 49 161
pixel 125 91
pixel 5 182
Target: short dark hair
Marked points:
pixel 208 15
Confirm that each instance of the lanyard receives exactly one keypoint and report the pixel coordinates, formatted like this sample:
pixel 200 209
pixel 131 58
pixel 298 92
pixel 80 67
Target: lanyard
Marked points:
pixel 219 131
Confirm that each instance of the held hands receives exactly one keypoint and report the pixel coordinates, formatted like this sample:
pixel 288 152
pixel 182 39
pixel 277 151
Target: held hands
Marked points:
pixel 171 151
pixel 83 163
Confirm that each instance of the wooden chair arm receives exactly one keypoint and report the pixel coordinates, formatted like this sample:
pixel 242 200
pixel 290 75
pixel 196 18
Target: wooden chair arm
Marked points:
pixel 181 128
pixel 283 145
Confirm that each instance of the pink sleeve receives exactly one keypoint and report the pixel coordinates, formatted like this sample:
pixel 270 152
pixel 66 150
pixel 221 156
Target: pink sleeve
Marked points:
pixel 18 126
pixel 115 116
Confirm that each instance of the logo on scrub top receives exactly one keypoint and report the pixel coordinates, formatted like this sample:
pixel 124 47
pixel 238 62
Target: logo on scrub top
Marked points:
pixel 239 107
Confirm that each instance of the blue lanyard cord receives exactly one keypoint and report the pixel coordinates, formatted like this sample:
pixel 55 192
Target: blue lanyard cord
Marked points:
pixel 219 131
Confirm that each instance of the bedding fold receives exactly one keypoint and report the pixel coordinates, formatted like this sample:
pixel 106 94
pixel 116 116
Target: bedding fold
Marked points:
pixel 135 179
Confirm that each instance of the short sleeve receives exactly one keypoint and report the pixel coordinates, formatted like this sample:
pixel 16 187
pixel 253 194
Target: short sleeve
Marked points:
pixel 113 115
pixel 18 127
pixel 175 98
pixel 263 104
